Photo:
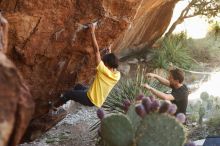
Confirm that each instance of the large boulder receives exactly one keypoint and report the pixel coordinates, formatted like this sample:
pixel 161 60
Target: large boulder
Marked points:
pixel 16 104
pixel 150 22
pixel 52 48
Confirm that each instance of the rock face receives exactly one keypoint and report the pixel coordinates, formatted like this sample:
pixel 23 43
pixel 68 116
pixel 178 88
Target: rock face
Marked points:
pixel 149 24
pixel 53 50
pixel 16 104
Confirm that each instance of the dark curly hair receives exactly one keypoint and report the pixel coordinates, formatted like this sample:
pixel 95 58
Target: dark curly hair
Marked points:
pixel 110 60
pixel 177 74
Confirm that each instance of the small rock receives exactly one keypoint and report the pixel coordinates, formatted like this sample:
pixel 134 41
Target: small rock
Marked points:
pixel 149 57
pixel 142 60
pixel 133 61
pixel 124 69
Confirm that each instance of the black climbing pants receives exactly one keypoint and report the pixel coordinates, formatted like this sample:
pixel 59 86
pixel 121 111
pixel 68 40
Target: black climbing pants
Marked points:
pixel 78 94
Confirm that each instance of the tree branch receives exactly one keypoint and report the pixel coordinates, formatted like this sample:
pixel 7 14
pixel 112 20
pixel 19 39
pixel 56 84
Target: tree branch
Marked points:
pixel 209 8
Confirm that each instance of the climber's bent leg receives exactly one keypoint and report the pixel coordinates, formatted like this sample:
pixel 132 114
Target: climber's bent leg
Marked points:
pixel 78 96
pixel 80 87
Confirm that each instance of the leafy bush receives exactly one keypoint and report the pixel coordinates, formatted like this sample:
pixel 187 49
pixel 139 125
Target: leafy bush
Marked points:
pixel 214 29
pixel 206 49
pixel 214 126
pixel 181 37
pixel 204 96
pixel 173 51
pixel 194 117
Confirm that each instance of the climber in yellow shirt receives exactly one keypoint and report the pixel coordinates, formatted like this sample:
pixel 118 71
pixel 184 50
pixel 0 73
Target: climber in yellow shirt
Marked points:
pixel 106 78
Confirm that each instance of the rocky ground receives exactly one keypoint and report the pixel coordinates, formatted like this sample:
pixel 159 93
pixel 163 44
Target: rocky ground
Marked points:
pixel 74 130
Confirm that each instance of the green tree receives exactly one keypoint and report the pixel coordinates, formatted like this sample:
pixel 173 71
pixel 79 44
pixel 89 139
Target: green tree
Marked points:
pixel 207 8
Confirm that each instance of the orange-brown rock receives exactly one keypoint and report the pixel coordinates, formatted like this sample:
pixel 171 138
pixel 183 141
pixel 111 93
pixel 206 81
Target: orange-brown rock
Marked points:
pixel 16 104
pixel 149 24
pixel 53 50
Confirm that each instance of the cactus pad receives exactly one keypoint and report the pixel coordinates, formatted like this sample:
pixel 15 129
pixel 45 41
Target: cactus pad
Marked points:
pixel 134 118
pixel 160 130
pixel 116 130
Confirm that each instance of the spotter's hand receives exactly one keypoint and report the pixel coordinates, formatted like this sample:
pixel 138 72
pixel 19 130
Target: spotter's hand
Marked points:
pixel 146 86
pixel 150 75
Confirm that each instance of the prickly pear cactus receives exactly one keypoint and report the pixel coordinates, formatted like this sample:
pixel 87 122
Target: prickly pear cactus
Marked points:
pixel 160 130
pixel 116 130
pixel 134 118
pixel 145 124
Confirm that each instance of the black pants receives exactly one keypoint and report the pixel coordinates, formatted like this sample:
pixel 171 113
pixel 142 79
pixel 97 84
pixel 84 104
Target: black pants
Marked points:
pixel 78 94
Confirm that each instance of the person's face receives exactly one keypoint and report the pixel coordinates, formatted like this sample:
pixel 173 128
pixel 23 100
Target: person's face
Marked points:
pixel 170 78
pixel 173 83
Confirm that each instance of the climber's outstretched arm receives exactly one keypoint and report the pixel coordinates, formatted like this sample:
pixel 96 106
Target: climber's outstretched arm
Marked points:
pixel 95 44
pixel 4 34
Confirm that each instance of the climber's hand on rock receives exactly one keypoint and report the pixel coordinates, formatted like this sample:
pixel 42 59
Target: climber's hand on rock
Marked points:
pixel 107 50
pixel 110 49
pixel 92 27
pixel 3 21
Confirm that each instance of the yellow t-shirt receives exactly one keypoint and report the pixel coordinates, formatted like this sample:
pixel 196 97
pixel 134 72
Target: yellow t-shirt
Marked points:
pixel 104 81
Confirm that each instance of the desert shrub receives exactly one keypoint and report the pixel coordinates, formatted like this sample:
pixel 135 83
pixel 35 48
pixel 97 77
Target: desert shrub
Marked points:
pixel 206 50
pixel 173 50
pixel 204 96
pixel 214 29
pixel 194 117
pixel 213 125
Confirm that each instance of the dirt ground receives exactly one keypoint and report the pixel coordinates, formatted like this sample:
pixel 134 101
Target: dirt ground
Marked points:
pixel 74 130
